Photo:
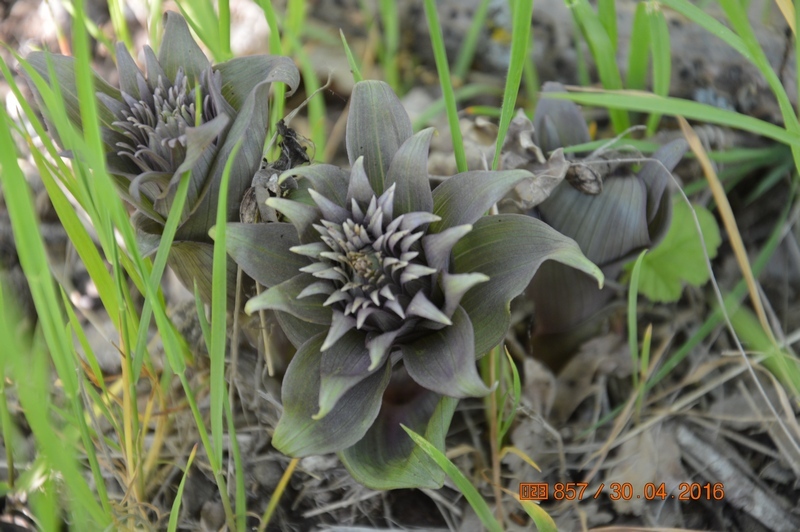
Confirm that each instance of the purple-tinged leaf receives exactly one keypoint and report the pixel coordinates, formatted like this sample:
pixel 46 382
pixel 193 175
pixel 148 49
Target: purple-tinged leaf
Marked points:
pixel 330 181
pixel 241 74
pixel 262 251
pixel 297 434
pixel 444 360
pixel 509 248
pixel 193 262
pixel 343 365
pixel 179 50
pixel 249 128
pixel 465 197
pixel 386 457
pixel 409 172
pixel 128 72
pixel 558 123
pixel 376 128
pixel 283 297
pixel 359 187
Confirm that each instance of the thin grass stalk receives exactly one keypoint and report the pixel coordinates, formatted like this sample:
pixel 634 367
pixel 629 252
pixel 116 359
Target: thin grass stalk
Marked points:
pixel 603 53
pixel 176 504
pixel 464 93
pixel 238 469
pixel 154 24
pixel 516 387
pixel 157 272
pixel 276 495
pixel 494 434
pixel 643 369
pixel 219 311
pixel 278 89
pixel 530 79
pixel 638 48
pixel 446 83
pixel 662 59
pixel 203 19
pixel 390 21
pixel 316 100
pixel 230 517
pixel 729 221
pixel 463 484
pixel 5 416
pixel 350 59
pixel 633 335
pixel 468 46
pixel 651 103
pixel 117 13
pixel 224 8
pixel 520 42
pixel 31 372
pixel 607 14
pixel 741 24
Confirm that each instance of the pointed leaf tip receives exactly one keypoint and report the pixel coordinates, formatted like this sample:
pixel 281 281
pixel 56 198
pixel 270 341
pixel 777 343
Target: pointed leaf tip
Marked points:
pixel 376 128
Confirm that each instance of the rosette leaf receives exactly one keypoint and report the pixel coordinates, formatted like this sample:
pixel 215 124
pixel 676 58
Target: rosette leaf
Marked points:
pixel 385 268
pixel 632 213
pixel 180 115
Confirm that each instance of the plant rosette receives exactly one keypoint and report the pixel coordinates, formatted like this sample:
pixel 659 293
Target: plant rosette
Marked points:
pixel 390 291
pixel 181 115
pixel 633 212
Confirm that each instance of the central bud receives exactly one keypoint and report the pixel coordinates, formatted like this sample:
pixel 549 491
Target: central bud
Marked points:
pixel 367 266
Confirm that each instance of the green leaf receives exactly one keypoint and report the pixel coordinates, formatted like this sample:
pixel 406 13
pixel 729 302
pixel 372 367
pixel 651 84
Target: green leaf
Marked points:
pixel 680 258
pixel 465 197
pixel 262 251
pixel 386 458
pixel 297 434
pixel 376 128
pixel 509 248
pixel 444 361
pixel 409 172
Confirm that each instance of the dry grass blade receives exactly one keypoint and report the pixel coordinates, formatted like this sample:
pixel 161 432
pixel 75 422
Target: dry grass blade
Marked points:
pixel 729 220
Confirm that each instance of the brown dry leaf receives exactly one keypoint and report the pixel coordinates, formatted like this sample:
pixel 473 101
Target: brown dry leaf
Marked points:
pixel 652 457
pixel 599 357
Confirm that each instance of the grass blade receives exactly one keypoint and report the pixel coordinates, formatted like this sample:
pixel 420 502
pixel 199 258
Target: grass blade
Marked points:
pixel 219 310
pixel 176 504
pixel 603 53
pixel 469 491
pixel 633 335
pixel 651 103
pixel 520 43
pixel 639 46
pixel 467 52
pixel 662 59
pixel 350 59
pixel 446 83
